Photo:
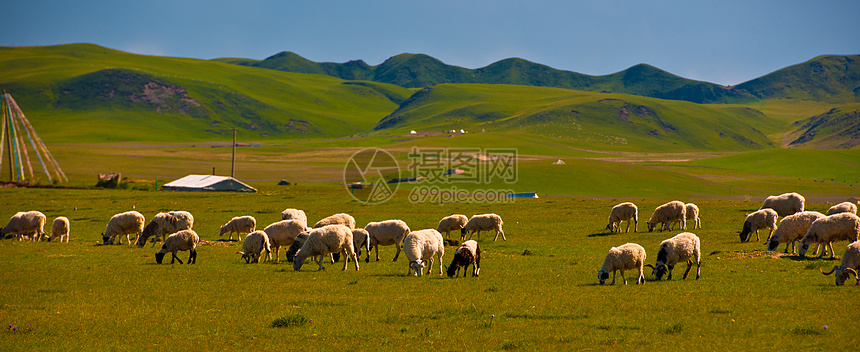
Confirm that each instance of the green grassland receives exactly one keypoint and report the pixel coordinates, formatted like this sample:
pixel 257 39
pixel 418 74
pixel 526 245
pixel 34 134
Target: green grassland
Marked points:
pixel 537 291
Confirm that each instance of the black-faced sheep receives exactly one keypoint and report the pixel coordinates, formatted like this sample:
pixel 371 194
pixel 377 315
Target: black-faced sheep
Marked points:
pixel 238 225
pixel 762 218
pixel 163 224
pixel 60 228
pixel 850 265
pixel 295 214
pixel 628 256
pixel 185 240
pixel 423 245
pixel 844 207
pixel 450 223
pixel 684 247
pixel 483 222
pixel 829 229
pixel 667 214
pixel 469 253
pixel 386 233
pixel 623 212
pixel 785 204
pixel 25 225
pixel 791 229
pixel 337 219
pixel 253 247
pixel 325 240
pixel 297 244
pixel 283 233
pixel 128 223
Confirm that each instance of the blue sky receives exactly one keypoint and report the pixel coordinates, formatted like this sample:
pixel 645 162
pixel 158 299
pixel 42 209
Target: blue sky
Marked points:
pixel 725 42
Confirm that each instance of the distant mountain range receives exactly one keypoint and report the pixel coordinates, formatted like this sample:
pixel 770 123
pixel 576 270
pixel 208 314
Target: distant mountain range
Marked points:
pixel 824 78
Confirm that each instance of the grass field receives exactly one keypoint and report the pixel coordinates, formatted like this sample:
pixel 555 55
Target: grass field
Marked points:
pixel 537 291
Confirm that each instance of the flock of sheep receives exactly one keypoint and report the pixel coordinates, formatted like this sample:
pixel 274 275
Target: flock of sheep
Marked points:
pixel 808 227
pixel 333 236
pixel 337 236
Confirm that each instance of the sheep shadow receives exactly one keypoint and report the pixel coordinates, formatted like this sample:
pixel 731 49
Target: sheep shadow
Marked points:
pixel 604 234
pixel 798 258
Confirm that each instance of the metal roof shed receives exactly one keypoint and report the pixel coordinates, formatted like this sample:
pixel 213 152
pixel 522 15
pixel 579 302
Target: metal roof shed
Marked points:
pixel 208 183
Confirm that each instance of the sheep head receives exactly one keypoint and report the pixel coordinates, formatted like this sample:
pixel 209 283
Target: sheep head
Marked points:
pixel 418 266
pixel 651 226
pixel 106 239
pixel 658 270
pixel 148 231
pixel 453 269
pixel 771 246
pixel 298 261
pixel 746 232
pixel 841 275
pixel 602 276
pixel 611 227
pixel 856 277
pixel 159 257
pixel 804 246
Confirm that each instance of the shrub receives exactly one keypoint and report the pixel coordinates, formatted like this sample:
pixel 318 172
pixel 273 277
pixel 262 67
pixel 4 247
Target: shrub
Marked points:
pixel 289 321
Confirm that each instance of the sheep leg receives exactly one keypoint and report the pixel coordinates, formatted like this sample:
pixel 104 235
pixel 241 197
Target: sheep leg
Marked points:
pixel 613 278
pixel 377 252
pixel 355 258
pixel 345 258
pixel 175 257
pixel 396 244
pixel 192 258
pixel 689 266
pixel 498 231
pixel 622 276
pixel 628 226
pixel 756 235
pixel 319 259
pixel 670 271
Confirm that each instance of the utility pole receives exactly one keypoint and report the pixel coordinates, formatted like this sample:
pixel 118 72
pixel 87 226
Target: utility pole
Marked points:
pixel 233 160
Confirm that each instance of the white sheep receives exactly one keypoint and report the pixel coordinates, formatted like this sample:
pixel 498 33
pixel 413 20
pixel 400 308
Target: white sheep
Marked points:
pixel 829 229
pixel 254 245
pixel 668 213
pixel 623 212
pixel 450 223
pixel 184 240
pixel 386 233
pixel 791 229
pixel 785 204
pixel 469 253
pixel 128 223
pixel 692 214
pixel 423 245
pixel 295 214
pixel 238 225
pixel 762 218
pixel 283 233
pixel 483 222
pixel 29 225
pixel 337 219
pixel 360 240
pixel 628 256
pixel 325 240
pixel 60 228
pixel 684 247
pixel 850 264
pixel 163 224
pixel 844 207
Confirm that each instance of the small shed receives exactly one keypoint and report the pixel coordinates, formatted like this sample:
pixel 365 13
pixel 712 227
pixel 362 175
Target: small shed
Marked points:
pixel 558 162
pixel 208 183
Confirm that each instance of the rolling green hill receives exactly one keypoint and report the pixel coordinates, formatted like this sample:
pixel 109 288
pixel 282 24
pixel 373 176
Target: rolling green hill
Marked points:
pixel 84 92
pixel 838 128
pixel 832 78
pixel 613 121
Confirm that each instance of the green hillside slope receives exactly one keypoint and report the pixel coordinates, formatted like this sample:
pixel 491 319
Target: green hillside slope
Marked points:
pixel 838 128
pixel 84 92
pixel 591 120
pixel 830 78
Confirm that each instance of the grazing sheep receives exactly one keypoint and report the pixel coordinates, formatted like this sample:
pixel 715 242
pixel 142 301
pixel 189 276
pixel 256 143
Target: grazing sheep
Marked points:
pixel 423 245
pixel 628 256
pixel 792 228
pixel 296 246
pixel 844 207
pixel 668 213
pixel 252 248
pixel 386 233
pixel 762 218
pixel 325 240
pixel 450 223
pixel 238 225
pixel 684 247
pixel 128 223
pixel 829 229
pixel 283 233
pixel 850 264
pixel 22 224
pixel 693 214
pixel 163 224
pixel 184 240
pixel 785 204
pixel 60 228
pixel 295 214
pixel 469 253
pixel 360 240
pixel 337 219
pixel 622 212
pixel 483 222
